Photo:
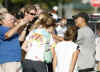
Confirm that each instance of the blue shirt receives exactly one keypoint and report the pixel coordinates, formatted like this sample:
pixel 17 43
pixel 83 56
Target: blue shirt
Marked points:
pixel 10 50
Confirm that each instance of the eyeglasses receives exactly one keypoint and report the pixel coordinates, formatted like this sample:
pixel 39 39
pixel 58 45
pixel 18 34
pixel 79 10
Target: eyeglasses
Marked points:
pixel 31 13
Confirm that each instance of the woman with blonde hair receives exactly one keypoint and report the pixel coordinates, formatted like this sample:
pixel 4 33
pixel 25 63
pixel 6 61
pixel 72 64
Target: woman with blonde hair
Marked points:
pixel 37 43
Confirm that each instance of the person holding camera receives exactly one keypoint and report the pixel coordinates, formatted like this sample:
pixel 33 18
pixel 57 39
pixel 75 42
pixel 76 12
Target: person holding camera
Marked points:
pixel 10 50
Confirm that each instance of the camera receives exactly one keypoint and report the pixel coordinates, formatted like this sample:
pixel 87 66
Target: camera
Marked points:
pixel 20 15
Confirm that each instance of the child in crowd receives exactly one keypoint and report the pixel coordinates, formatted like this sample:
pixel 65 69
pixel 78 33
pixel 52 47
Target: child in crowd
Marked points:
pixel 61 27
pixel 66 53
pixel 98 47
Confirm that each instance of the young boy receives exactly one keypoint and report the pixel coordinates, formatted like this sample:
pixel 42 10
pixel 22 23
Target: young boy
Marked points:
pixel 66 53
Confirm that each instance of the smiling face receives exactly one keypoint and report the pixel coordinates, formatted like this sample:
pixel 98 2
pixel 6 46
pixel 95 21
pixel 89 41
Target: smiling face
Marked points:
pixel 30 14
pixel 8 20
pixel 79 21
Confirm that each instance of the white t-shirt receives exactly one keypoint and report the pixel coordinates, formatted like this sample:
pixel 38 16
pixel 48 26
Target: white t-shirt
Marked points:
pixel 98 49
pixel 64 51
pixel 36 48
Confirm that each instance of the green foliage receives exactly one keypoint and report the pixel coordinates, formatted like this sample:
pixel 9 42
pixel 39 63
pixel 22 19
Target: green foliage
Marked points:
pixel 17 1
pixel 67 1
pixel 1 1
pixel 46 4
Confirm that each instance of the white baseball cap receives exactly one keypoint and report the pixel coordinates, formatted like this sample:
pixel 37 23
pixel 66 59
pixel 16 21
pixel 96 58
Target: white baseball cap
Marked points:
pixel 55 8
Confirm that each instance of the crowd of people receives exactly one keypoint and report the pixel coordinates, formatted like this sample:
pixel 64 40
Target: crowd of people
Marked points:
pixel 48 42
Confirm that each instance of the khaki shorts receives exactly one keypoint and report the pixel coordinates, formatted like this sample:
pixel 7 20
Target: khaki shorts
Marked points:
pixel 11 67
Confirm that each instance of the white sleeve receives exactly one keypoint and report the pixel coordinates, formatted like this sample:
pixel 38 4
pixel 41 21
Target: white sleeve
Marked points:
pixel 76 47
pixel 28 36
pixel 56 48
pixel 80 37
pixel 96 40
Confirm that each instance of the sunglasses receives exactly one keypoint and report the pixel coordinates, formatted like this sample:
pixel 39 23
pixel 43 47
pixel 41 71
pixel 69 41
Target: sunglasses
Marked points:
pixel 31 13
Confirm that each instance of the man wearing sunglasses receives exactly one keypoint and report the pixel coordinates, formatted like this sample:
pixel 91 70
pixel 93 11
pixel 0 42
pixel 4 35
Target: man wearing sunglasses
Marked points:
pixel 30 13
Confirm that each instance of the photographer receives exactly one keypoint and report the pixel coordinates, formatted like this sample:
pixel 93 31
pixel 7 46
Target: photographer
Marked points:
pixel 10 50
pixel 28 14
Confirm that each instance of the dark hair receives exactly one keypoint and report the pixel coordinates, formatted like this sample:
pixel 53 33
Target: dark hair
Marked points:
pixel 83 15
pixel 98 26
pixel 30 7
pixel 70 34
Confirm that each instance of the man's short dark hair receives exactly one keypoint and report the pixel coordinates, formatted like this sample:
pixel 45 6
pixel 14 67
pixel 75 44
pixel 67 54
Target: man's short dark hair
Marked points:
pixel 83 15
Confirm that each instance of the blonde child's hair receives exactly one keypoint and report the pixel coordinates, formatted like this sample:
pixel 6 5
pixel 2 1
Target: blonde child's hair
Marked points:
pixel 44 20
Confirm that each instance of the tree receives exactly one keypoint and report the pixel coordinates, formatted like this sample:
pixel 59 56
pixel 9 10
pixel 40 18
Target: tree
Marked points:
pixel 67 1
pixel 1 1
pixel 17 1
